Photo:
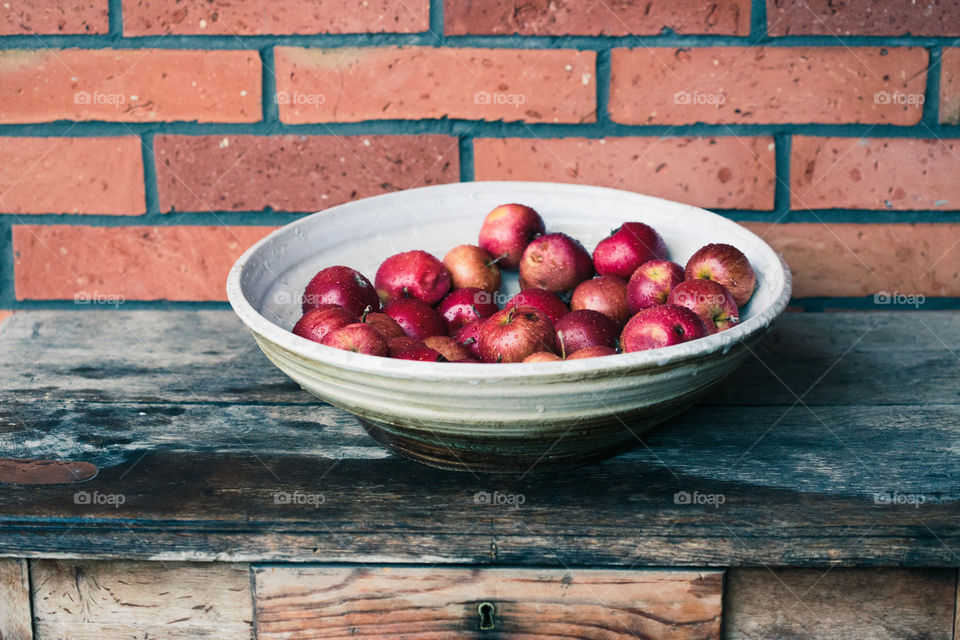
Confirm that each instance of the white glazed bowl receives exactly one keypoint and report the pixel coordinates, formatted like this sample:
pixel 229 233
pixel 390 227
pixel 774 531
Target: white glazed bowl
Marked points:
pixel 506 416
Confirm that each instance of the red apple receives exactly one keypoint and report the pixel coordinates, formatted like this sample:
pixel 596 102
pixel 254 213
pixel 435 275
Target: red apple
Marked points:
pixel 542 356
pixel 401 343
pixel 341 286
pixel 547 301
pixel 315 324
pixel 412 274
pixel 417 319
pixel 727 265
pixel 606 294
pixel 651 283
pixel 709 300
pixel 507 230
pixel 555 262
pixel 661 326
pixel 471 266
pixel 627 248
pixel 585 328
pixel 595 351
pixel 448 347
pixel 462 306
pixel 420 352
pixel 383 323
pixel 510 335
pixel 469 337
pixel 359 338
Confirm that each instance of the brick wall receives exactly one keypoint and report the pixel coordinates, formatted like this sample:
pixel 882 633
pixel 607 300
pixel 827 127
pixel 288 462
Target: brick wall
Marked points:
pixel 145 143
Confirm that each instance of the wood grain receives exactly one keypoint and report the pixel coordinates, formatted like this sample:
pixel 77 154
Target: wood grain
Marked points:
pixel 141 600
pixel 839 604
pixel 400 602
pixel 201 455
pixel 15 618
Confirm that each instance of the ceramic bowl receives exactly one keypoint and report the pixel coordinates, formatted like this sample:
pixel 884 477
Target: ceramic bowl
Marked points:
pixel 503 417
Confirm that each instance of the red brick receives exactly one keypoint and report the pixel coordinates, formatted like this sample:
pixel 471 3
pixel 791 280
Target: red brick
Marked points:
pixel 591 18
pixel 832 260
pixel 950 87
pixel 376 83
pixel 253 17
pixel 768 85
pixel 728 173
pixel 132 263
pixel 874 173
pixel 129 85
pixel 863 17
pixel 60 17
pixel 71 175
pixel 295 173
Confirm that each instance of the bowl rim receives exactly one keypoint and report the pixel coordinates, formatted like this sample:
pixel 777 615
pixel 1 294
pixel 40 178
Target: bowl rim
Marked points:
pixel 466 371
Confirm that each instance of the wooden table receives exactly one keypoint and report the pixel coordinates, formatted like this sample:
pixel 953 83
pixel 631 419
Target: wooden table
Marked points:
pixel 813 495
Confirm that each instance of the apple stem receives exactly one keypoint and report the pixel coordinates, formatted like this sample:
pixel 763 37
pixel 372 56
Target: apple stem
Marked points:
pixel 498 258
pixel 563 346
pixel 363 317
pixel 510 314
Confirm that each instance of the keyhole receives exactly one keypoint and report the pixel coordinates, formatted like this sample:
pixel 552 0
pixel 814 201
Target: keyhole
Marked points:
pixel 486 611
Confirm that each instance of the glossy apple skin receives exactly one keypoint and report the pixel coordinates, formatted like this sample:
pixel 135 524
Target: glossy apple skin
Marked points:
pixel 359 338
pixel 709 300
pixel 585 328
pixel 448 347
pixel 628 247
pixel 421 353
pixel 412 274
pixel 555 262
pixel 606 294
pixel 462 306
pixel 727 265
pixel 547 301
pixel 651 284
pixel 401 343
pixel 315 324
pixel 662 326
pixel 471 266
pixel 542 356
pixel 417 319
pixel 595 351
pixel 341 286
pixel 510 335
pixel 506 232
pixel 383 323
pixel 469 337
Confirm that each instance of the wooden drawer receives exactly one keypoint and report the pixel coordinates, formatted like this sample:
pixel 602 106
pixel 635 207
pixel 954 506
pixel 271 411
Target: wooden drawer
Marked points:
pixel 391 603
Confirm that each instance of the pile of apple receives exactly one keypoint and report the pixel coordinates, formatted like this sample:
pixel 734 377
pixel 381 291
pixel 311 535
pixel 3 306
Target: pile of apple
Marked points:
pixel 628 296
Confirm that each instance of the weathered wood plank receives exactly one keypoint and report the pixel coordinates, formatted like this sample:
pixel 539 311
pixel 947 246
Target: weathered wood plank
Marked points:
pixel 141 600
pixel 839 604
pixel 15 618
pixel 401 602
pixel 208 356
pixel 254 506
